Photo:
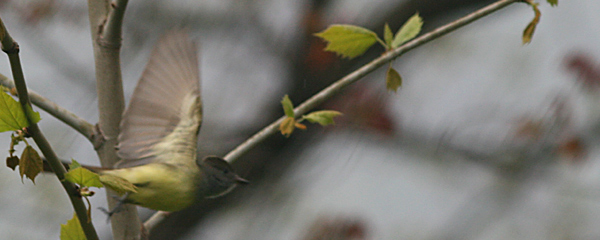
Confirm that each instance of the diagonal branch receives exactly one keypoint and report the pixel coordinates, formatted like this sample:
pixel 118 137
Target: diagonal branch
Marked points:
pixel 11 48
pixel 336 87
pixel 387 57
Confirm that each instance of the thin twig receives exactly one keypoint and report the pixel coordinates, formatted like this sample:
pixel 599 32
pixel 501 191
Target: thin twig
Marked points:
pixel 155 219
pixel 11 48
pixel 62 114
pixel 336 87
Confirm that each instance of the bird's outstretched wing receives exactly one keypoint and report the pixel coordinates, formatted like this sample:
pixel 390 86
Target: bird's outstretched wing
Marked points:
pixel 165 106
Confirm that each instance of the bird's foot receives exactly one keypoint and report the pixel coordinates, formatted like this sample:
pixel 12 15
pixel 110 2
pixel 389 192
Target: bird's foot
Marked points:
pixel 117 208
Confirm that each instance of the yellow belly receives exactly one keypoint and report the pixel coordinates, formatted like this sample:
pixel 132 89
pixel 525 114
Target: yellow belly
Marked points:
pixel 160 186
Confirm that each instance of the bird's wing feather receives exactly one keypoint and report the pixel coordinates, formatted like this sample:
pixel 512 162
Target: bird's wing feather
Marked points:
pixel 167 96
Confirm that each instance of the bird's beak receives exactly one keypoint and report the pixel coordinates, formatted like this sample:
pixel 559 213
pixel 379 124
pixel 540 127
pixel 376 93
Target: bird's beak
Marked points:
pixel 240 180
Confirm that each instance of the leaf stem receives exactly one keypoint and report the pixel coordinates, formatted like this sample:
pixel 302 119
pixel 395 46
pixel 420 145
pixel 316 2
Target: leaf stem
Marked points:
pixel 385 46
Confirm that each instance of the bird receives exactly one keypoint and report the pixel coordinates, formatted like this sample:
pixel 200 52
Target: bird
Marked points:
pixel 159 131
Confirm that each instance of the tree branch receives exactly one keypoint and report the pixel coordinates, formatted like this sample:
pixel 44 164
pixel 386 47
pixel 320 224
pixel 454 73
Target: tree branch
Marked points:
pixel 155 219
pixel 336 87
pixel 387 57
pixel 11 48
pixel 64 115
pixel 105 23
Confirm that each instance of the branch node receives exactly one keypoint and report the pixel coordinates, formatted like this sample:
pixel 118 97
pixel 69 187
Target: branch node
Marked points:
pixel 14 49
pixel 98 138
pixel 108 44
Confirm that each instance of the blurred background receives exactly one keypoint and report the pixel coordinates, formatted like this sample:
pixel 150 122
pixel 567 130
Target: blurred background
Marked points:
pixel 487 139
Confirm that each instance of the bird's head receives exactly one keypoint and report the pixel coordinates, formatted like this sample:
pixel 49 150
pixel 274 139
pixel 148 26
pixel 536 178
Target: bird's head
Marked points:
pixel 218 176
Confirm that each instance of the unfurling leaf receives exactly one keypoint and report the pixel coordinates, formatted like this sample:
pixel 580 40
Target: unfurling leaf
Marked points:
pixel 12 162
pixel 347 40
pixel 300 126
pixel 530 29
pixel 30 164
pixel 83 177
pixel 72 230
pixel 118 184
pixel 324 117
pixel 388 36
pixel 528 32
pixel 408 31
pixel 288 107
pixel 11 114
pixel 553 3
pixel 287 126
pixel 392 79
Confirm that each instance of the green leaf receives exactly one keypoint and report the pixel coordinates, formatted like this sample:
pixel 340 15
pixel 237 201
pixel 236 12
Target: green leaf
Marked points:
pixel 288 108
pixel 11 114
pixel 74 164
pixel 530 29
pixel 72 230
pixel 287 126
pixel 408 31
pixel 324 117
pixel 35 116
pixel 83 177
pixel 553 3
pixel 392 79
pixel 388 36
pixel 347 40
pixel 30 164
pixel 118 184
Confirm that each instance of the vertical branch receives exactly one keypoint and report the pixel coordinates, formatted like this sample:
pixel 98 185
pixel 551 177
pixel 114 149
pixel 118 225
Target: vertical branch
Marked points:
pixel 106 23
pixel 11 48
pixel 111 32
